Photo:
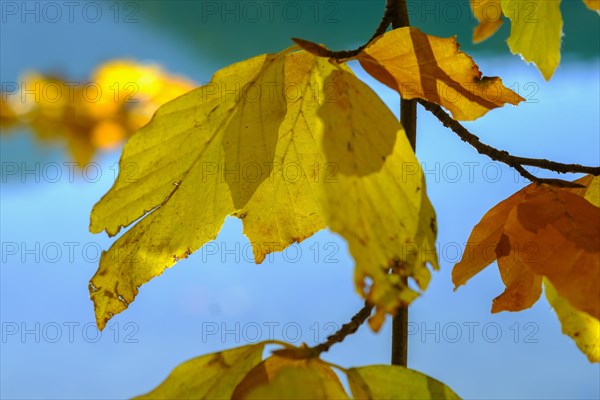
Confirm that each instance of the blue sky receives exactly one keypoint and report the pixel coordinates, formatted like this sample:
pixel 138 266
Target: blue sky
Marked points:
pixel 218 299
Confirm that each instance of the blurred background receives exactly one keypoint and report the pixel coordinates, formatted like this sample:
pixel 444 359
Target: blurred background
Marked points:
pixel 218 298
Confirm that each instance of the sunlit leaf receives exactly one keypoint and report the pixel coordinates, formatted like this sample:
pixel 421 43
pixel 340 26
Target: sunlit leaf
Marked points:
pixel 540 231
pixel 290 144
pixel 590 190
pixel 433 68
pixel 285 378
pixel 579 325
pixel 535 32
pixel 239 374
pixel 212 376
pixel 489 15
pixel 394 382
pixel 564 230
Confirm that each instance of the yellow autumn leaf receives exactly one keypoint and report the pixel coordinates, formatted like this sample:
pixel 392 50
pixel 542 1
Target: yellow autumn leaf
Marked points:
pixel 540 231
pixel 395 382
pixel 290 144
pixel 580 326
pixel 212 376
pixel 378 202
pixel 593 5
pixel 298 384
pixel 285 378
pixel 489 15
pixel 417 65
pixel 240 374
pixel 535 32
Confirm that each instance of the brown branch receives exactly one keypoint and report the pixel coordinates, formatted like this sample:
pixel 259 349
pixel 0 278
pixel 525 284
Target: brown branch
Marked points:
pixel 506 158
pixel 408 119
pixel 347 329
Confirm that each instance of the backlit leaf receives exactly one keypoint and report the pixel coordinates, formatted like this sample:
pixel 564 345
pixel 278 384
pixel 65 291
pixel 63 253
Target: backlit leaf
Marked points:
pixel 489 15
pixel 541 231
pixel 579 325
pixel 239 374
pixel 212 376
pixel 535 32
pixel 591 189
pixel 290 144
pixel 395 382
pixel 488 243
pixel 564 230
pixel 433 68
pixel 286 378
pixel 536 28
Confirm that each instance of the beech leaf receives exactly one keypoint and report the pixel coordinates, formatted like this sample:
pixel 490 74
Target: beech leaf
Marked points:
pixel 285 378
pixel 434 69
pixel 580 326
pixel 212 376
pixel 395 382
pixel 428 67
pixel 240 374
pixel 542 233
pixel 289 143
pixel 535 32
pixel 489 15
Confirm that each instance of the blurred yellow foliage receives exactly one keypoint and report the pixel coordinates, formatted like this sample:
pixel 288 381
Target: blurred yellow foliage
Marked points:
pixel 120 97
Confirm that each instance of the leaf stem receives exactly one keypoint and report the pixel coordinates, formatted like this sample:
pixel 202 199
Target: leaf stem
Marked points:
pixel 408 118
pixel 506 158
pixel 347 329
pixel 346 54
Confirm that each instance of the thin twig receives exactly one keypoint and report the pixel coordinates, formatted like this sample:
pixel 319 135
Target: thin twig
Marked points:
pixel 346 54
pixel 506 158
pixel 347 329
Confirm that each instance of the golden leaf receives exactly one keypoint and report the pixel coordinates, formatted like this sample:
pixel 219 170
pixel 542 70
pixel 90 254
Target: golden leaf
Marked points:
pixel 434 69
pixel 540 231
pixel 290 144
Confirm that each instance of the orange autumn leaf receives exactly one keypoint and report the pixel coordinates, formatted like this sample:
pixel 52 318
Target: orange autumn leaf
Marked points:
pixel 487 244
pixel 489 16
pixel 428 67
pixel 434 69
pixel 566 231
pixel 540 231
pixel 523 288
pixel 593 5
